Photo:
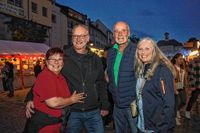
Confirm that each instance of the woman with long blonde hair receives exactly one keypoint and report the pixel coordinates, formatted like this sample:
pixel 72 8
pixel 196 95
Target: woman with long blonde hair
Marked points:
pixel 154 89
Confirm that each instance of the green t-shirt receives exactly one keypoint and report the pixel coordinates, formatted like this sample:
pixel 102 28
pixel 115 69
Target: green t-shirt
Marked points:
pixel 117 63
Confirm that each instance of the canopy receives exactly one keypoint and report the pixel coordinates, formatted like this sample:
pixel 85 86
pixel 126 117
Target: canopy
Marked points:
pixel 22 48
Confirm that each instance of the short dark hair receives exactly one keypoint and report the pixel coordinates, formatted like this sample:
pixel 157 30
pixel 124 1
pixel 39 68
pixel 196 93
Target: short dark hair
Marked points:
pixel 54 50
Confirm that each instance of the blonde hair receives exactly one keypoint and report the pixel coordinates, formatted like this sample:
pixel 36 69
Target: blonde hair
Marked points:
pixel 157 58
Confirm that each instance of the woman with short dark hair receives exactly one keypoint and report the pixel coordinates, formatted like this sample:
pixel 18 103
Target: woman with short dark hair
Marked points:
pixel 51 94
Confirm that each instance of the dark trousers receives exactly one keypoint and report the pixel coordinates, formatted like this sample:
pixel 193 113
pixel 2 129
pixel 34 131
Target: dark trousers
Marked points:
pixel 181 97
pixel 4 84
pixel 9 84
pixel 193 99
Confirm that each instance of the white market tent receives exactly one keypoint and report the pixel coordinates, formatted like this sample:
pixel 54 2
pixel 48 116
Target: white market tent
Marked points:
pixel 22 48
pixel 13 49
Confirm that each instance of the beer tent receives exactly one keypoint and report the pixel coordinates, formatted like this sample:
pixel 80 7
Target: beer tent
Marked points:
pixel 21 54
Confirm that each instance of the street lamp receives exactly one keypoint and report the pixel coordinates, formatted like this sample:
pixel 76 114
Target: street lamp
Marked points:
pixel 91 44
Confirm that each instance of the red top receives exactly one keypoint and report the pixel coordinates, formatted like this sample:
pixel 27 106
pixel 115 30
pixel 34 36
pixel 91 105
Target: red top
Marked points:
pixel 49 85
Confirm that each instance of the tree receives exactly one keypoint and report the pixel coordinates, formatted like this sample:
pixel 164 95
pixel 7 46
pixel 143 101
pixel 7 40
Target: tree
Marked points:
pixel 22 30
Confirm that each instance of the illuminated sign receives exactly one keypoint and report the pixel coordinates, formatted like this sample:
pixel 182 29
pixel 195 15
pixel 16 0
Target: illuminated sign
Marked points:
pixel 11 9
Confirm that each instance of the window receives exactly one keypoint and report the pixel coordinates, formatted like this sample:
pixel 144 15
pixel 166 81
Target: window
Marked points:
pixel 53 18
pixel 17 3
pixel 34 7
pixel 44 11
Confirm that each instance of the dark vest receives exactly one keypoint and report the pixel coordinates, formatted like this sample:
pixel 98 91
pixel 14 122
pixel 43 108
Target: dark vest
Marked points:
pixel 123 93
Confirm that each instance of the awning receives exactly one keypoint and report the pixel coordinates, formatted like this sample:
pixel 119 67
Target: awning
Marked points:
pixel 22 48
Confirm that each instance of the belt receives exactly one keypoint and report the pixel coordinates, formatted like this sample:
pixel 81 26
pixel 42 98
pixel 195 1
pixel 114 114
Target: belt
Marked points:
pixel 83 110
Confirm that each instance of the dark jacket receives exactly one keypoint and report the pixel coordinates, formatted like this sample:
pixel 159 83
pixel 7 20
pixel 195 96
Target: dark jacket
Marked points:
pixel 38 121
pixel 85 74
pixel 158 104
pixel 125 92
pixel 37 69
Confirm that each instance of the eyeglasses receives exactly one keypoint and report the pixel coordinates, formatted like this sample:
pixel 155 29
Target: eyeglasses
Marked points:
pixel 79 36
pixel 56 60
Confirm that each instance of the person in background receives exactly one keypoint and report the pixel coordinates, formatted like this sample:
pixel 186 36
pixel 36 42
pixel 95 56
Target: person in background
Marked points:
pixel 37 68
pixel 194 84
pixel 51 93
pixel 122 81
pixel 108 118
pixel 154 89
pixel 10 78
pixel 180 83
pixel 1 83
pixel 4 72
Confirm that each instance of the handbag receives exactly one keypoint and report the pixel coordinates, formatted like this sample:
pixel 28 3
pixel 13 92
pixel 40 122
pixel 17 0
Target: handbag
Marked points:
pixel 134 108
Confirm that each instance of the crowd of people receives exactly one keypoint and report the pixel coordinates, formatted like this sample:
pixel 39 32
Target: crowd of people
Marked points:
pixel 137 76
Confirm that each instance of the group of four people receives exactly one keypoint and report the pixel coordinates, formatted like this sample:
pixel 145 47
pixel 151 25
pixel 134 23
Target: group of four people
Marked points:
pixel 76 78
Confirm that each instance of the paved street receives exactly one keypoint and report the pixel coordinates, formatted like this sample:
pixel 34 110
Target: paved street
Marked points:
pixel 12 115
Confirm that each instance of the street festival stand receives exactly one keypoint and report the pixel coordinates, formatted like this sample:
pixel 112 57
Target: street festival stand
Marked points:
pixel 23 55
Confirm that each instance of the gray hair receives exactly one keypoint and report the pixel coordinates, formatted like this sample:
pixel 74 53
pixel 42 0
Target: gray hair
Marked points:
pixel 80 25
pixel 157 58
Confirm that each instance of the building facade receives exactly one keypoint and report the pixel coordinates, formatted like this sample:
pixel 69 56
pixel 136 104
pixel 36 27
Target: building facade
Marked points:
pixel 100 36
pixel 170 46
pixel 37 11
pixel 58 20
pixel 58 32
pixel 73 18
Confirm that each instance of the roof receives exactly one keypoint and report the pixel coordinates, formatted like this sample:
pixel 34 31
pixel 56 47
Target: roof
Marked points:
pixel 22 48
pixel 172 42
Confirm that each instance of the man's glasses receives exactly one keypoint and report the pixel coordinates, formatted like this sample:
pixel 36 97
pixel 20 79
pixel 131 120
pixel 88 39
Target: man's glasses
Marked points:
pixel 79 36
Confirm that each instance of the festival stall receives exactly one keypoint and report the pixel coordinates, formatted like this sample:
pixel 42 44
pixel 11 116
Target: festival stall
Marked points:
pixel 23 55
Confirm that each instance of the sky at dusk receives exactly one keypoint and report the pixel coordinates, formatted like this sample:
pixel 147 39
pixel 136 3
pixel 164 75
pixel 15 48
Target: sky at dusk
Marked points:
pixel 180 18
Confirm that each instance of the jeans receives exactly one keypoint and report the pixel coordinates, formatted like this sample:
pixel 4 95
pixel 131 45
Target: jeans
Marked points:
pixel 91 120
pixel 124 121
pixel 181 98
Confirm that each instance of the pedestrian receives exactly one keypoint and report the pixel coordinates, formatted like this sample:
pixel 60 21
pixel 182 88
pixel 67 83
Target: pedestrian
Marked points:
pixel 154 89
pixel 1 83
pixel 122 81
pixel 4 74
pixel 37 68
pixel 194 84
pixel 83 71
pixel 51 94
pixel 10 78
pixel 180 83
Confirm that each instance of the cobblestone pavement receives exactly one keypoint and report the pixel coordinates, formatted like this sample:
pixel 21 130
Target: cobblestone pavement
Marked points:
pixel 12 115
